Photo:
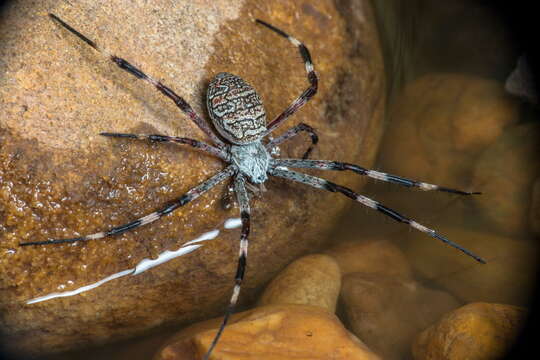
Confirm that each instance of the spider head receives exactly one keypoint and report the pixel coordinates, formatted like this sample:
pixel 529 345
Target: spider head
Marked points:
pixel 235 109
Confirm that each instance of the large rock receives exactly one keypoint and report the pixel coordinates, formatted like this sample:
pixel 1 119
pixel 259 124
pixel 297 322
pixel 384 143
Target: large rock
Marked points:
pixel 476 331
pixel 387 312
pixel 60 179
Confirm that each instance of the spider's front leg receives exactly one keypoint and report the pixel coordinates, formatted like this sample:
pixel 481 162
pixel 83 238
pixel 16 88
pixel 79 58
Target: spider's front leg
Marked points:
pixel 330 186
pixel 128 67
pixel 191 195
pixel 243 201
pixel 311 75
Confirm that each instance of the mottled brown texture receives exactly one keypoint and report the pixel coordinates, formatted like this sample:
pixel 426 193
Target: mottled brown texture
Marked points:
pixel 506 172
pixel 508 277
pixel 295 332
pixel 311 280
pixel 440 124
pixel 387 312
pixel 60 179
pixel 534 213
pixel 376 255
pixel 477 331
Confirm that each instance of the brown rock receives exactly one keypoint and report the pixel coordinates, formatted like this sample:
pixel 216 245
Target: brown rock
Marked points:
pixel 378 256
pixel 508 276
pixel 439 126
pixel 271 333
pixel 506 173
pixel 387 312
pixel 311 280
pixel 60 179
pixel 477 331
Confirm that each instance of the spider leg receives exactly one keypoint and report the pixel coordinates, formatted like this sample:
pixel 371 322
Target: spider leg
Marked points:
pixel 330 186
pixel 243 201
pixel 311 75
pixel 181 201
pixel 125 65
pixel 292 132
pixel 181 140
pixel 340 166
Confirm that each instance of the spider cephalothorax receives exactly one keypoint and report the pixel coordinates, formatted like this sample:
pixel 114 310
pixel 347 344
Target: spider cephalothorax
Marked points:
pixel 238 114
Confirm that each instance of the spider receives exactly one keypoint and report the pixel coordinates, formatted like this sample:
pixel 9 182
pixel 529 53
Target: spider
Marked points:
pixel 238 115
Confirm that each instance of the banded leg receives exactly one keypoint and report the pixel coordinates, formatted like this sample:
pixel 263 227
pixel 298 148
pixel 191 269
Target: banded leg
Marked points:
pixel 243 201
pixel 330 186
pixel 311 75
pixel 340 166
pixel 125 65
pixel 181 201
pixel 292 132
pixel 180 140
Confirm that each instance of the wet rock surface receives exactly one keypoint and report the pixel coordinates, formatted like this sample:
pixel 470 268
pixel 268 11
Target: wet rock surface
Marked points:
pixel 387 312
pixel 60 179
pixel 476 331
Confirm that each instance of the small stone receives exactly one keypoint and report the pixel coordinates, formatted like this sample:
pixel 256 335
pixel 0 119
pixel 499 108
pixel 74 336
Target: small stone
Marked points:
pixel 371 256
pixel 506 173
pixel 311 280
pixel 387 312
pixel 477 331
pixel 270 333
pixel 508 277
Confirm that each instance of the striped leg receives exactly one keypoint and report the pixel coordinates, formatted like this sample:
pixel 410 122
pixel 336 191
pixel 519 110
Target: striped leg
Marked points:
pixel 292 132
pixel 181 201
pixel 311 75
pixel 327 185
pixel 180 140
pixel 340 166
pixel 123 64
pixel 243 201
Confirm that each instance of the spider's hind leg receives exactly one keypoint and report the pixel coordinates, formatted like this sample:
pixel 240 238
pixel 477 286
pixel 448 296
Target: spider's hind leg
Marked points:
pixel 330 186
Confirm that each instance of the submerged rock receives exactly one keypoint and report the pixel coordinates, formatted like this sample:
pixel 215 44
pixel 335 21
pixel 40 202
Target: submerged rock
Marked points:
pixel 311 280
pixel 508 277
pixel 374 256
pixel 60 179
pixel 476 331
pixel 506 173
pixel 387 312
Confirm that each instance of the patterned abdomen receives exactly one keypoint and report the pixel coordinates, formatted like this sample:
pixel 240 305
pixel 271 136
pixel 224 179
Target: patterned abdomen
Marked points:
pixel 235 109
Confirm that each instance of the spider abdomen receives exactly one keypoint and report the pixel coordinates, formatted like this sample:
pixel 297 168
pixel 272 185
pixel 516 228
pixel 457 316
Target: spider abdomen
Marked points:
pixel 235 109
